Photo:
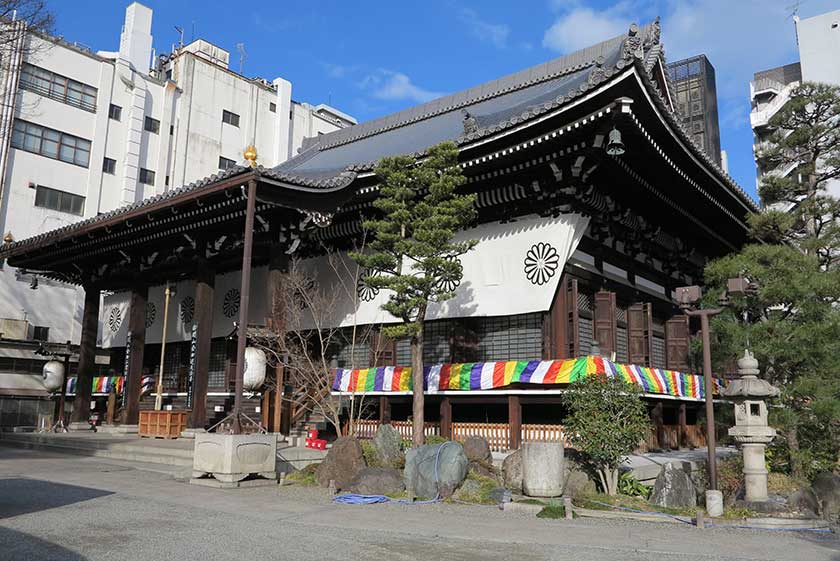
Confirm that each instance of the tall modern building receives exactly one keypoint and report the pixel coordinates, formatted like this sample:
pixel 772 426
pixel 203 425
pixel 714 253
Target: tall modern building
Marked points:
pixel 695 93
pixel 84 133
pixel 818 39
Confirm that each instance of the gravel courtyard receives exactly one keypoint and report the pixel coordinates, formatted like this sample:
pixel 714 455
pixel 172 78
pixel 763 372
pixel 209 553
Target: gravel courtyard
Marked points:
pixel 58 507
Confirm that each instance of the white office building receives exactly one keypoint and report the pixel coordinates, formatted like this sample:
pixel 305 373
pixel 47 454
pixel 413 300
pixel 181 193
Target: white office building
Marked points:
pixel 818 40
pixel 82 133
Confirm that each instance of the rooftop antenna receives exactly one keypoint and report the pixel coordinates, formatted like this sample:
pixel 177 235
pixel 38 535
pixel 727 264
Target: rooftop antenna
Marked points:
pixel 794 13
pixel 180 31
pixel 242 55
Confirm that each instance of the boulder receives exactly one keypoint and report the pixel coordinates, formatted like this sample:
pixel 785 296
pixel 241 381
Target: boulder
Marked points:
pixel 477 450
pixel 344 460
pixel 826 487
pixel 500 495
pixel 576 480
pixel 674 488
pixel 469 491
pixel 512 471
pixel 482 469
pixel 420 470
pixel 804 502
pixel 377 481
pixel 387 442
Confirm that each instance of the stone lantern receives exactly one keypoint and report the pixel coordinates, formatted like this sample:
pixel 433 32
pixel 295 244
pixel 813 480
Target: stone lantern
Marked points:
pixel 751 429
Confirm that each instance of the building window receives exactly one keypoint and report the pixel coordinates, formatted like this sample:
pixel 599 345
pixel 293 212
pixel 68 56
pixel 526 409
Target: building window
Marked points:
pixel 41 333
pixel 152 125
pixel 147 176
pixel 57 87
pixel 230 118
pixel 226 163
pixel 272 107
pixel 109 166
pixel 51 143
pixel 61 201
pixel 115 112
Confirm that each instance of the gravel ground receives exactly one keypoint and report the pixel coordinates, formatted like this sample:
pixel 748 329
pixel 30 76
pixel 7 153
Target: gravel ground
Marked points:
pixel 55 507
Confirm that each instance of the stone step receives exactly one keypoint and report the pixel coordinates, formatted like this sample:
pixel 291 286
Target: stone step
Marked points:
pixel 138 451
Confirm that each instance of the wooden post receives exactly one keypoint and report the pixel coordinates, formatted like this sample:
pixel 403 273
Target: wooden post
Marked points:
pixel 204 296
pixel 112 406
pixel 556 324
pixel 515 421
pixel 446 417
pixel 659 425
pixel 683 434
pixel 136 346
pixel 278 399
pixel 384 409
pixel 87 359
pixel 244 301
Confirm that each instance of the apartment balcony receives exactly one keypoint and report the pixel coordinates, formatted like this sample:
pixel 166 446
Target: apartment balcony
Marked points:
pixel 760 117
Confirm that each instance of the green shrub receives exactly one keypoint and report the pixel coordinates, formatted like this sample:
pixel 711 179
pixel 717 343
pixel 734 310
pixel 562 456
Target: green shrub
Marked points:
pixel 479 493
pixel 552 510
pixel 304 477
pixel 630 486
pixel 782 484
pixel 435 439
pixel 370 454
pixel 730 476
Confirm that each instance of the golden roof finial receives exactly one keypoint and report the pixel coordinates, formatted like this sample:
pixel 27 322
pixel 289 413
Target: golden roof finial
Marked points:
pixel 8 238
pixel 251 155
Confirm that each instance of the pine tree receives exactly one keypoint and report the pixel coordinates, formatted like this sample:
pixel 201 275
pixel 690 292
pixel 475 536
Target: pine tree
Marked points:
pixel 412 253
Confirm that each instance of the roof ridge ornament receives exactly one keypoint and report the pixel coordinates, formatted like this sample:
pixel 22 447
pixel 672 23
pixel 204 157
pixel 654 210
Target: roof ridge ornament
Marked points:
pixel 470 124
pixel 597 74
pixel 654 33
pixel 633 43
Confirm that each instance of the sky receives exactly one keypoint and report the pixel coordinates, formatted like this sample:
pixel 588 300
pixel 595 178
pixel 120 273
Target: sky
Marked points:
pixel 369 58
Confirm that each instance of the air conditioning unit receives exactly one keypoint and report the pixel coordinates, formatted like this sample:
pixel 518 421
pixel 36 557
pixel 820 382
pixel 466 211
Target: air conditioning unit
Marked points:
pixel 14 329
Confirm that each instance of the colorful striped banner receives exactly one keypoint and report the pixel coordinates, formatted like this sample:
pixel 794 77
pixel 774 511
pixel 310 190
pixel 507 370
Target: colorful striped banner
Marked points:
pixel 492 375
pixel 103 384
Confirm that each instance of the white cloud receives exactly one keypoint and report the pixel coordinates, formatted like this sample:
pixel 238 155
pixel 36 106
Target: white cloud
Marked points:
pixel 581 27
pixel 495 33
pixel 390 85
pixel 338 70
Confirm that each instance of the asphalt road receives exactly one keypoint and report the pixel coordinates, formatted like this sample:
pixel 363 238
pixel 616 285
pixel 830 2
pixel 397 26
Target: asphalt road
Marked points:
pixel 56 507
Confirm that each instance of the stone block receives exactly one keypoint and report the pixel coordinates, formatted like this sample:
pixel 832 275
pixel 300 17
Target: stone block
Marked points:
pixel 542 469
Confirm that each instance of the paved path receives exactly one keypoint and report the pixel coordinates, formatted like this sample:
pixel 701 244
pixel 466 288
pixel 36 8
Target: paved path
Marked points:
pixel 58 507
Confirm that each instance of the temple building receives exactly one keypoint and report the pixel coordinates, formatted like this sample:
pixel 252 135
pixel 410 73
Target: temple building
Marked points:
pixel 593 205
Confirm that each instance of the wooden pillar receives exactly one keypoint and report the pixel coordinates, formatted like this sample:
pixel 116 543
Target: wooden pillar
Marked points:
pixel 265 408
pixel 87 359
pixel 556 324
pixel 446 417
pixel 683 434
pixel 204 296
pixel 278 398
pixel 136 344
pixel 384 410
pixel 515 421
pixel 658 424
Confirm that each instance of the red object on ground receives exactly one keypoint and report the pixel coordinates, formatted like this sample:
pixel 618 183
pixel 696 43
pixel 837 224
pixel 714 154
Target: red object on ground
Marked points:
pixel 321 444
pixel 313 434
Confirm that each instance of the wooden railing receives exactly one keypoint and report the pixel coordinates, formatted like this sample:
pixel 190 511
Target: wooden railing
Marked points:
pixel 544 433
pixel 366 428
pixel 496 434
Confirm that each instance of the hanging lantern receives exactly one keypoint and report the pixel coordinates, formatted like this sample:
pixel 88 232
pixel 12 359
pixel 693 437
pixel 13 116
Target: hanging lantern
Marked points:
pixel 615 147
pixel 254 371
pixel 53 375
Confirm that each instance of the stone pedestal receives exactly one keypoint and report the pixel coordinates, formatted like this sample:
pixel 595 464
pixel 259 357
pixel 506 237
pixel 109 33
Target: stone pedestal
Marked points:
pixel 230 458
pixel 755 472
pixel 190 433
pixel 714 503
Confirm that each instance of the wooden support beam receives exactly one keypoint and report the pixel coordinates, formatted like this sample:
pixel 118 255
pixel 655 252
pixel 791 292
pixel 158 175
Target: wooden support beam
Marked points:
pixel 265 408
pixel 203 324
pixel 384 409
pixel 87 358
pixel 446 417
pixel 659 425
pixel 683 423
pixel 515 421
pixel 279 376
pixel 136 344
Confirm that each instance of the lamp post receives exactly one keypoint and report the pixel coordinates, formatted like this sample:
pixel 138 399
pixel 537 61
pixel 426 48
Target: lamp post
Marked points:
pixel 688 298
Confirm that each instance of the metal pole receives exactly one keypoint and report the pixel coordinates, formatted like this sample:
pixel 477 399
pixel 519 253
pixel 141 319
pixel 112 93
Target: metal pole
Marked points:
pixel 244 291
pixel 159 397
pixel 59 422
pixel 710 406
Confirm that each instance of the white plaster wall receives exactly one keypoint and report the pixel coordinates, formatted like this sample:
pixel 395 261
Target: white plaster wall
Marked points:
pixel 819 45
